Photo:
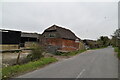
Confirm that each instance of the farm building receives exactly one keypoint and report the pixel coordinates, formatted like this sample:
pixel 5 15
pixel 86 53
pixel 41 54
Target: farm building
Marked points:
pixel 56 38
pixel 10 39
pixel 29 39
pixel 91 43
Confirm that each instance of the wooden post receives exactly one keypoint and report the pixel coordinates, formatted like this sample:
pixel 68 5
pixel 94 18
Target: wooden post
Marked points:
pixel 17 62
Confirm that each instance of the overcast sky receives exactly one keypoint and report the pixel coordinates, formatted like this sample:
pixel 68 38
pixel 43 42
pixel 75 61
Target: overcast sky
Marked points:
pixel 88 20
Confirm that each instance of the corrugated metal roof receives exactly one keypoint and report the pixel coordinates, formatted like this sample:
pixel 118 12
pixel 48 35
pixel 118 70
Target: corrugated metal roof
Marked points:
pixel 33 35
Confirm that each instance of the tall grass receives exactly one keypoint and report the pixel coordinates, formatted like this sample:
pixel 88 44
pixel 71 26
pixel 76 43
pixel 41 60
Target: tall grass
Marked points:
pixel 116 49
pixel 36 53
pixel 118 53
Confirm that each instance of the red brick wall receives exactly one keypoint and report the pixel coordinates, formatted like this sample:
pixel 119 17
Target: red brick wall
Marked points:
pixel 69 45
pixel 64 44
pixel 54 41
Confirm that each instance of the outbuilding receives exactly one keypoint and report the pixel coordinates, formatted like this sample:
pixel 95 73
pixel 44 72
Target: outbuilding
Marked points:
pixel 10 39
pixel 29 39
pixel 57 38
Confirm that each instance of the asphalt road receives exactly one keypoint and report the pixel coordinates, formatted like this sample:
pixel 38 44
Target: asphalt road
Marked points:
pixel 101 63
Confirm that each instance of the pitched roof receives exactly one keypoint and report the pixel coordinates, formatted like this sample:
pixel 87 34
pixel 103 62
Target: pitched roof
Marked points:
pixel 63 32
pixel 4 30
pixel 33 35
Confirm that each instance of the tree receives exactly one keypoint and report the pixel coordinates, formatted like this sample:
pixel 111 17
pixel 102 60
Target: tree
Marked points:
pixel 117 35
pixel 104 41
pixel 114 41
pixel 116 38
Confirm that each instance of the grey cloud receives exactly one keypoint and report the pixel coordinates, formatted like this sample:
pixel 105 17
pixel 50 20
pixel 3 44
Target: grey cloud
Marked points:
pixel 86 20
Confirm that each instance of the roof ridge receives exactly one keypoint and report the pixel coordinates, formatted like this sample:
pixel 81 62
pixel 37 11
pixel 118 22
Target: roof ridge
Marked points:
pixel 63 32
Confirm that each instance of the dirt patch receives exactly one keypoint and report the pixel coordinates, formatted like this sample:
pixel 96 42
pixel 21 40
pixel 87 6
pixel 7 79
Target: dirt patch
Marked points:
pixel 10 58
pixel 57 56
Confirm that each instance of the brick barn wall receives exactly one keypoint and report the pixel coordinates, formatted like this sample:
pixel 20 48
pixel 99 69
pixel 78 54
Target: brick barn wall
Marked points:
pixel 69 45
pixel 61 44
pixel 53 42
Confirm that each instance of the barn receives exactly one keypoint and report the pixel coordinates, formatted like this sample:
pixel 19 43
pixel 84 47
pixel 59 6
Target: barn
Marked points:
pixel 29 39
pixel 56 38
pixel 10 39
pixel 91 44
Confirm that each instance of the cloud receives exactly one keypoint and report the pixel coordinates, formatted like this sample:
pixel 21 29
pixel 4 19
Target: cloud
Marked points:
pixel 85 19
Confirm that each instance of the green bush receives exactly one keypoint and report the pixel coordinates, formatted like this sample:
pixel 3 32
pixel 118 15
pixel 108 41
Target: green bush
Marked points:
pixel 59 53
pixel 116 49
pixel 36 53
pixel 13 70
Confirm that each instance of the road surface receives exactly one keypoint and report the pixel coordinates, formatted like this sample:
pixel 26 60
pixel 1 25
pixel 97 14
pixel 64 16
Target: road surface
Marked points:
pixel 100 63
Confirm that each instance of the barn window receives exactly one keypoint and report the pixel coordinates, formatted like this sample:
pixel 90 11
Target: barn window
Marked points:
pixel 51 35
pixel 77 40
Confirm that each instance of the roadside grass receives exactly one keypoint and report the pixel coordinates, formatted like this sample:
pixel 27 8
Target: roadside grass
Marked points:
pixel 116 49
pixel 97 48
pixel 69 53
pixel 119 54
pixel 75 52
pixel 10 71
pixel 0 73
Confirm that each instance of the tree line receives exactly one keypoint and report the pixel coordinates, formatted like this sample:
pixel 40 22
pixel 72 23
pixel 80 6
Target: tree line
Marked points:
pixel 104 41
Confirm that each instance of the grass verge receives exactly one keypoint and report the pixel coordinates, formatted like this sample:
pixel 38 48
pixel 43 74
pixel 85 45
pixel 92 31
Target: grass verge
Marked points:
pixel 10 71
pixel 69 53
pixel 97 48
pixel 75 52
pixel 116 49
